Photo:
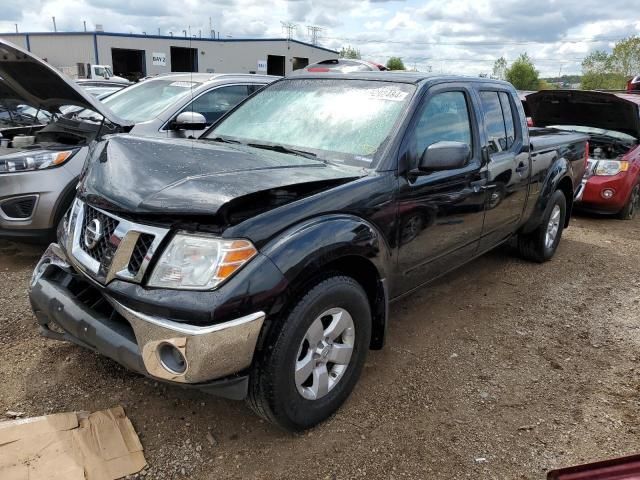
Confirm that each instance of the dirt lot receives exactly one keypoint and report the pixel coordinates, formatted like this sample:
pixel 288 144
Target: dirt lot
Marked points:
pixel 503 369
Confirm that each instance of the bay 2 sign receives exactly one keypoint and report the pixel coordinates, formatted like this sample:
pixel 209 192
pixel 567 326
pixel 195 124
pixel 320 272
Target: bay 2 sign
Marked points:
pixel 159 59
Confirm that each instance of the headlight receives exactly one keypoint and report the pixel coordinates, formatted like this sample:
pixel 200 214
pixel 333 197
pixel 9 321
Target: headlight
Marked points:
pixel 34 160
pixel 199 262
pixel 611 167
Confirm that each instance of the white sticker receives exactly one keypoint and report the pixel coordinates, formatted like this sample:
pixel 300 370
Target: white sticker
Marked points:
pixel 159 59
pixel 183 84
pixel 262 65
pixel 388 93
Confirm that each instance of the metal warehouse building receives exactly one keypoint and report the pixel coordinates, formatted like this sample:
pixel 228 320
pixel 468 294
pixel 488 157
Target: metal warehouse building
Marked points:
pixel 134 56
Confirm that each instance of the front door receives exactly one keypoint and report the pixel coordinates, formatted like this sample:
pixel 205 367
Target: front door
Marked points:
pixel 440 215
pixel 508 167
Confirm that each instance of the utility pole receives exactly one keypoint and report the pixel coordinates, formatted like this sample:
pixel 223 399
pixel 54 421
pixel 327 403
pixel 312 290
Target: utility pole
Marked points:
pixel 16 27
pixel 55 29
pixel 84 24
pixel 289 27
pixel 313 32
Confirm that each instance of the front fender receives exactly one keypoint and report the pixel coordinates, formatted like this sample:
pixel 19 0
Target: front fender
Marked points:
pixel 319 241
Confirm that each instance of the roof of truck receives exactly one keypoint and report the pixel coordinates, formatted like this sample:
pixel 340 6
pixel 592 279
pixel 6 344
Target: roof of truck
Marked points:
pixel 400 76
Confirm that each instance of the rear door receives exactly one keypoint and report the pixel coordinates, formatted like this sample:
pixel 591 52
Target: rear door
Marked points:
pixel 508 165
pixel 440 214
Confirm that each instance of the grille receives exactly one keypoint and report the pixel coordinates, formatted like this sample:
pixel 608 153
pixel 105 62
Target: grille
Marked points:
pixel 103 248
pixel 19 207
pixel 139 252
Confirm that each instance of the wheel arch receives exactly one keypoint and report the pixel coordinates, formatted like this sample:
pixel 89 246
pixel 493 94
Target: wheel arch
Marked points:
pixel 336 244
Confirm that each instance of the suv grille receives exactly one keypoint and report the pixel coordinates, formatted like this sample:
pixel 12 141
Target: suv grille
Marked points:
pixel 145 240
pixel 103 248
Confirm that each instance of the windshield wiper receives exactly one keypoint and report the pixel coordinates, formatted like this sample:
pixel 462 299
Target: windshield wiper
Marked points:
pixel 283 149
pixel 221 140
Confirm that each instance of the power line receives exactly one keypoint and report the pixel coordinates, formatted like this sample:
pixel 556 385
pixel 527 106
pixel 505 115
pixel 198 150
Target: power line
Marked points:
pixel 289 28
pixel 474 43
pixel 313 33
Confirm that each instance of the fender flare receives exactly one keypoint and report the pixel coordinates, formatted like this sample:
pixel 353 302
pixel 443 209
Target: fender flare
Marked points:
pixel 304 250
pixel 556 174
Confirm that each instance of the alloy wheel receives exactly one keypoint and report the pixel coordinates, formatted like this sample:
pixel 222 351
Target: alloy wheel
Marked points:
pixel 553 226
pixel 324 353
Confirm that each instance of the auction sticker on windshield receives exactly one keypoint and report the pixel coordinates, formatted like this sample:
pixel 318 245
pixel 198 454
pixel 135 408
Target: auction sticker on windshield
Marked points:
pixel 183 84
pixel 388 93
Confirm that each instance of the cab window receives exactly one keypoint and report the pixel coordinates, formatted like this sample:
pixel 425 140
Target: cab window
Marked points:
pixel 498 120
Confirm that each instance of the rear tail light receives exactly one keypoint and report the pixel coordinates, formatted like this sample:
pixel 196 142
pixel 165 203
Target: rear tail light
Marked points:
pixel 529 122
pixel 586 154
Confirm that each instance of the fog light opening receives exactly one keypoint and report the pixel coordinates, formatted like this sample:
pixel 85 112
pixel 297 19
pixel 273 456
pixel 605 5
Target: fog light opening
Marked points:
pixel 171 358
pixel 608 193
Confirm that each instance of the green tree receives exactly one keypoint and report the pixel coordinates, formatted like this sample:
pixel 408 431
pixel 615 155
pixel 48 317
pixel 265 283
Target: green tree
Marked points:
pixel 499 68
pixel 395 63
pixel 610 71
pixel 350 52
pixel 522 74
pixel 598 72
pixel 625 58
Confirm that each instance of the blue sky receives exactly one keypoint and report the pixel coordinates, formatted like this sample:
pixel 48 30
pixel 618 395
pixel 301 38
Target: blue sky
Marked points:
pixel 465 36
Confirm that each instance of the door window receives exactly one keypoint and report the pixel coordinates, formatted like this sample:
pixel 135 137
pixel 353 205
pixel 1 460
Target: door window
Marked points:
pixel 444 118
pixel 215 103
pixel 494 122
pixel 508 118
pixel 498 120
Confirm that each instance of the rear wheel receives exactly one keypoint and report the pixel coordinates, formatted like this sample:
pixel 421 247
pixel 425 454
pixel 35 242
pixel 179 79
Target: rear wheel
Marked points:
pixel 541 244
pixel 631 208
pixel 310 365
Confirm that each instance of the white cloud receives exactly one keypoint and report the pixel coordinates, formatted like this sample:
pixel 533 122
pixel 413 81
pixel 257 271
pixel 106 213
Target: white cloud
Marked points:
pixel 461 37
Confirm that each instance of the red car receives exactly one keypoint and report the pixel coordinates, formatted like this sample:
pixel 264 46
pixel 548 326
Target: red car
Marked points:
pixel 611 183
pixel 633 85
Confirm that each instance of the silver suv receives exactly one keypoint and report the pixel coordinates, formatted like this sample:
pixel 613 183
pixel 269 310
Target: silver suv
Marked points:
pixel 40 164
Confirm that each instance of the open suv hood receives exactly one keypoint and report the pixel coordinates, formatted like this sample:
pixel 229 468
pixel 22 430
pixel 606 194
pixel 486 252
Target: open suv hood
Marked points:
pixel 25 78
pixel 608 111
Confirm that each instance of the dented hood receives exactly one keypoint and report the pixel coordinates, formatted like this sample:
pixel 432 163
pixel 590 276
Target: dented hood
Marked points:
pixel 193 177
pixel 24 78
pixel 609 111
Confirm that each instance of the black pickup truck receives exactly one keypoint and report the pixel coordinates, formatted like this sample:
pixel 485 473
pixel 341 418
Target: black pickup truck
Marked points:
pixel 259 261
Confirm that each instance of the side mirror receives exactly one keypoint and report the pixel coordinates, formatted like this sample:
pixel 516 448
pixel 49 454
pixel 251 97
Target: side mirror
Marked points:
pixel 190 121
pixel 444 156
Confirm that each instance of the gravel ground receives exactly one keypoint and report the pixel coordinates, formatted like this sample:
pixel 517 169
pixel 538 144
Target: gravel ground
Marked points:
pixel 503 369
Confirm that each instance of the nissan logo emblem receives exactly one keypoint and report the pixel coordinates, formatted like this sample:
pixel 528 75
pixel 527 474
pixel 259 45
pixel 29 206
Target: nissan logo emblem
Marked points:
pixel 93 233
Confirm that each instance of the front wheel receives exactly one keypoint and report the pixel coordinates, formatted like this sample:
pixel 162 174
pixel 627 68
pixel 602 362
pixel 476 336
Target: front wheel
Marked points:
pixel 631 208
pixel 313 359
pixel 541 244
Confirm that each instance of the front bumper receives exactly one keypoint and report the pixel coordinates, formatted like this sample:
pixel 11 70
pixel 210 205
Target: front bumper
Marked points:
pixel 589 195
pixel 69 307
pixel 49 188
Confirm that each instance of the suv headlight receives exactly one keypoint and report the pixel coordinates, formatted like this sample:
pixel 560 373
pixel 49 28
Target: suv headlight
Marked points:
pixel 199 262
pixel 34 160
pixel 611 167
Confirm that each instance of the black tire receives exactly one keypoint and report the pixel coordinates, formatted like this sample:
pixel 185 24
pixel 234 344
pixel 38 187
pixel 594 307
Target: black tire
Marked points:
pixel 532 246
pixel 631 208
pixel 273 393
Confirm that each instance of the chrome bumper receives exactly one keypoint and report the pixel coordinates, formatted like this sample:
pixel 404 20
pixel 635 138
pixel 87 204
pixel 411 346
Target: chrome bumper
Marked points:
pixel 168 350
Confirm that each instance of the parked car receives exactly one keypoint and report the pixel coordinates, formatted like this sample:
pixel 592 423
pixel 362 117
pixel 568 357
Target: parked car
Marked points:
pixel 612 120
pixel 522 94
pixel 633 85
pixel 39 168
pixel 259 261
pixel 342 65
